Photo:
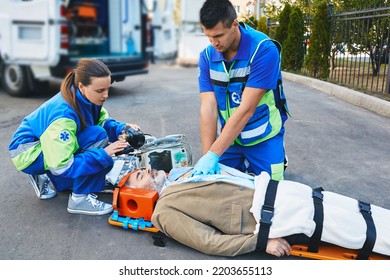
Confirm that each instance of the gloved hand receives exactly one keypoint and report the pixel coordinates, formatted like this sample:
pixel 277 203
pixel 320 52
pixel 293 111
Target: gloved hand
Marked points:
pixel 207 164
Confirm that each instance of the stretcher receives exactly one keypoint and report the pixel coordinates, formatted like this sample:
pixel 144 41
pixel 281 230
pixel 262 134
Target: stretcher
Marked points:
pixel 133 209
pixel 331 252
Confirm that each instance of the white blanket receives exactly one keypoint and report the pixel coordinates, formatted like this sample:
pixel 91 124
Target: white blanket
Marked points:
pixel 343 225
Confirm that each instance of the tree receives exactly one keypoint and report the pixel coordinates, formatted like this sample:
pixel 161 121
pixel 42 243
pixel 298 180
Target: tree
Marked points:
pixel 250 21
pixel 262 25
pixel 281 32
pixel 317 59
pixel 293 49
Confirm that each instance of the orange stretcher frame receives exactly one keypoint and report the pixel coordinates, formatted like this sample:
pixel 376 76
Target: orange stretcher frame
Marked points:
pixel 331 252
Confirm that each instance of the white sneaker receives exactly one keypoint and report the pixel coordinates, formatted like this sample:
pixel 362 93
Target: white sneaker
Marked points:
pixel 88 205
pixel 43 187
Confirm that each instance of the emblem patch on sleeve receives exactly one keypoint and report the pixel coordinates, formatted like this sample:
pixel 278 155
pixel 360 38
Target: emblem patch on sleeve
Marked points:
pixel 64 136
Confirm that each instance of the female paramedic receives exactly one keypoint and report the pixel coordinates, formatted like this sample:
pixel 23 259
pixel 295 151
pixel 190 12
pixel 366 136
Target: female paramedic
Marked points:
pixel 67 143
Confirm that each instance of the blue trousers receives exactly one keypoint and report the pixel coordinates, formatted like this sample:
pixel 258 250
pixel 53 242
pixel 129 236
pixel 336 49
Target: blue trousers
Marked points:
pixel 88 138
pixel 266 156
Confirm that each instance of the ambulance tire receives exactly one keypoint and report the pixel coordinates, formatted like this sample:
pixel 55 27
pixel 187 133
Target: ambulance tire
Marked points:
pixel 14 79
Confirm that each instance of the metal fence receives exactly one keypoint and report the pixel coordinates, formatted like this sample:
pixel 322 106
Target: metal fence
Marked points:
pixel 360 50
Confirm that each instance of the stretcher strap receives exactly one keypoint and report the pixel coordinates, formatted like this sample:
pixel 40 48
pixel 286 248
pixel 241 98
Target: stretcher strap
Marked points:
pixel 366 250
pixel 315 239
pixel 266 215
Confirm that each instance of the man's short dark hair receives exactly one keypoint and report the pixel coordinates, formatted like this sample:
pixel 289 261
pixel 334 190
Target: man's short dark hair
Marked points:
pixel 214 11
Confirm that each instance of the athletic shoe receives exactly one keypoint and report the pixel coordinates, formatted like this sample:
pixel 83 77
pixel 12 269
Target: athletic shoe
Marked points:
pixel 88 205
pixel 43 187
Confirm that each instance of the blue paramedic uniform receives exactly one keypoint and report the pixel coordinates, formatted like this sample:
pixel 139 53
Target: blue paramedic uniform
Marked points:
pixel 260 145
pixel 50 140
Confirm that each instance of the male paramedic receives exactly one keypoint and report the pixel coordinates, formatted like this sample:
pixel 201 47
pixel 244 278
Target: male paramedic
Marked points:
pixel 219 214
pixel 240 86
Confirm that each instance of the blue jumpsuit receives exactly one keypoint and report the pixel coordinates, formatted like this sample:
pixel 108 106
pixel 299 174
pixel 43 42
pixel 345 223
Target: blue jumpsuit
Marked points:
pixel 260 145
pixel 50 140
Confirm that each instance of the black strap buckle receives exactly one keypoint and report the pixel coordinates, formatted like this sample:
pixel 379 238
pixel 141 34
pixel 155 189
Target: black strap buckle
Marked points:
pixel 318 195
pixel 267 213
pixel 158 239
pixel 364 207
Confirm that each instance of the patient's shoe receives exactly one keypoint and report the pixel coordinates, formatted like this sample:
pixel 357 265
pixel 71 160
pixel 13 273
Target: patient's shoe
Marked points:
pixel 88 205
pixel 43 186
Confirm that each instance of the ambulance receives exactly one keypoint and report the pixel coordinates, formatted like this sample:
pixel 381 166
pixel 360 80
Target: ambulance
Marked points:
pixel 43 39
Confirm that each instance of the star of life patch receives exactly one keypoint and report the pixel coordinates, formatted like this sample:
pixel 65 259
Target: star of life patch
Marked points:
pixel 64 136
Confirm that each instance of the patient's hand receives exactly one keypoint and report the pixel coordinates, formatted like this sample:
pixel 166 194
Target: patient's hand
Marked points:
pixel 278 247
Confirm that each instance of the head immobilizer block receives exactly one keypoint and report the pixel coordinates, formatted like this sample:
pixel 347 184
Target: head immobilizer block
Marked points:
pixel 134 203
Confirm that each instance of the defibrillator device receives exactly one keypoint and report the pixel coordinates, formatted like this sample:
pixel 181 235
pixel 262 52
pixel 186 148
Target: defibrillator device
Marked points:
pixel 172 151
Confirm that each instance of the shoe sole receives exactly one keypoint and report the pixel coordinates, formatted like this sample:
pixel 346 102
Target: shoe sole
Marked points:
pixel 37 190
pixel 103 212
pixel 47 196
pixel 106 191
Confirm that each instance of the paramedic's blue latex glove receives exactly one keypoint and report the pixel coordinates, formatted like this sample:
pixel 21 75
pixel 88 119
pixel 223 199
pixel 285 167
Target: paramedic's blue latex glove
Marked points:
pixel 208 164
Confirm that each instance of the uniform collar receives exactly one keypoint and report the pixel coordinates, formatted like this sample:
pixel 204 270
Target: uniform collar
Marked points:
pixel 90 111
pixel 243 48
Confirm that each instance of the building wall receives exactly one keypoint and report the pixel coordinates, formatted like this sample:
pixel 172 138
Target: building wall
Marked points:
pixel 253 7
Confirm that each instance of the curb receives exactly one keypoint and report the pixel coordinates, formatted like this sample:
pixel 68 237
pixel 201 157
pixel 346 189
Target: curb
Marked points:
pixel 380 106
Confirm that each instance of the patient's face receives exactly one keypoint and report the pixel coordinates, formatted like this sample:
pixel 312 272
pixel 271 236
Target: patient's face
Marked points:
pixel 147 179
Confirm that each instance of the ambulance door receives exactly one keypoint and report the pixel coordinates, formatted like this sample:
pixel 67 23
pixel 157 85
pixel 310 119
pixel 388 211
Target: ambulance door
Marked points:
pixel 30 32
pixel 165 45
pixel 125 27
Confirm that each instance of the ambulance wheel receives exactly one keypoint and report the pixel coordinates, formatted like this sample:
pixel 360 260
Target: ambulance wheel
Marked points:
pixel 14 80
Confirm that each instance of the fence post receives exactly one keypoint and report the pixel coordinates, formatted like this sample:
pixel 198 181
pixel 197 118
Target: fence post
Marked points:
pixel 387 90
pixel 330 8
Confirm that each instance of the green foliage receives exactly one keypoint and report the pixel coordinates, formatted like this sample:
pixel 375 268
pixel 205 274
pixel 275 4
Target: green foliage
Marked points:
pixel 262 25
pixel 251 21
pixel 293 49
pixel 281 32
pixel 317 59
pixel 350 5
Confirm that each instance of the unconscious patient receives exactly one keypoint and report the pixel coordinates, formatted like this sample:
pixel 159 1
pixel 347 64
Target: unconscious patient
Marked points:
pixel 220 214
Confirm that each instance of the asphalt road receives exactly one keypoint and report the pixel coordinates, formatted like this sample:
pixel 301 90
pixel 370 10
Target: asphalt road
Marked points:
pixel 330 143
